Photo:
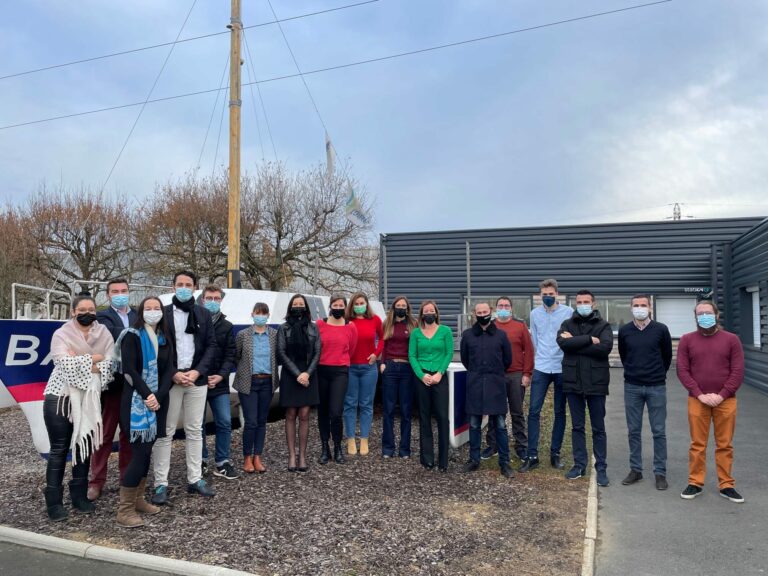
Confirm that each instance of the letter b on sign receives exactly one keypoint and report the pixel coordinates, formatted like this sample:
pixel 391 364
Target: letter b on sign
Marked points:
pixel 22 350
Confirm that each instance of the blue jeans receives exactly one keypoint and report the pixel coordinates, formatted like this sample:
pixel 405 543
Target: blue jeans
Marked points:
pixel 255 411
pixel 635 400
pixel 222 417
pixel 539 387
pixel 476 435
pixel 397 383
pixel 361 389
pixel 577 403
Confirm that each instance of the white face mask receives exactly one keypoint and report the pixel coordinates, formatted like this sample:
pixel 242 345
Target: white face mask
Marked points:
pixel 152 317
pixel 640 313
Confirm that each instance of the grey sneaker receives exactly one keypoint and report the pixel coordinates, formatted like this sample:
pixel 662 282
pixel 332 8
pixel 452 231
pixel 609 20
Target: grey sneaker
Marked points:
pixel 160 497
pixel 200 487
pixel 632 477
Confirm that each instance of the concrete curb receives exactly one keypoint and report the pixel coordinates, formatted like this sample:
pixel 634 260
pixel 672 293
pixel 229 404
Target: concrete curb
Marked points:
pixel 113 555
pixel 590 533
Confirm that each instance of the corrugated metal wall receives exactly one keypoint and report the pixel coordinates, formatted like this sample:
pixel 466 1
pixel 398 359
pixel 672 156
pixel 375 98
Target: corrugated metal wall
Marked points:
pixel 749 267
pixel 662 258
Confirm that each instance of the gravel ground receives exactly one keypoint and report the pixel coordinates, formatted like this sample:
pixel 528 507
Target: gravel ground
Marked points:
pixel 371 516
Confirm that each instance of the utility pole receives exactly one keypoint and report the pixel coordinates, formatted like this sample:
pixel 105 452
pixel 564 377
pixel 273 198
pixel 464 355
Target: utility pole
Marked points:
pixel 235 105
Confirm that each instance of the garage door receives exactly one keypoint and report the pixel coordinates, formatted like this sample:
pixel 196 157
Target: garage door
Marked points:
pixel 677 314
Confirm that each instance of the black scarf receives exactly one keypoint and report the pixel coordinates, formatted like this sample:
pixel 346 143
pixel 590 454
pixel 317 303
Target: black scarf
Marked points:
pixel 189 308
pixel 298 344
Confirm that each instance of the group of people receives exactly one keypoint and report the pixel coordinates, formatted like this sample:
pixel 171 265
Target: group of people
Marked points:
pixel 145 370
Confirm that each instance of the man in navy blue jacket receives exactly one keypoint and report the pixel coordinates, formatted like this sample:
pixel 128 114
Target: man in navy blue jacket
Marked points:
pixel 645 347
pixel 191 328
pixel 117 317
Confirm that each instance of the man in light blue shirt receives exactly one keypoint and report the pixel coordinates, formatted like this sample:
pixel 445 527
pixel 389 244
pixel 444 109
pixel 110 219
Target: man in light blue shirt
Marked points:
pixel 548 369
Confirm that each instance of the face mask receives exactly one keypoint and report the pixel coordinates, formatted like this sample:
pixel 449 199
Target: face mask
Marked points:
pixel 640 313
pixel 183 294
pixel 212 306
pixel 503 314
pixel 360 309
pixel 484 320
pixel 120 301
pixel 260 319
pixel 548 301
pixel 429 318
pixel 401 312
pixel 584 309
pixel 706 321
pixel 85 319
pixel 337 313
pixel 152 317
pixel 297 312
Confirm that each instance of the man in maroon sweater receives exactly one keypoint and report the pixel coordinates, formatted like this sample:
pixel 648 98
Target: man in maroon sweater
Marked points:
pixel 710 364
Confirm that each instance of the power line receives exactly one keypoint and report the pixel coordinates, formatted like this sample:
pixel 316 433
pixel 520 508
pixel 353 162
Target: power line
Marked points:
pixel 218 138
pixel 261 97
pixel 213 113
pixel 351 64
pixel 122 149
pixel 212 34
pixel 252 76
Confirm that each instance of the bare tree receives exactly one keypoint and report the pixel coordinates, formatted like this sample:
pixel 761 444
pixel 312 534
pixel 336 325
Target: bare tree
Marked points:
pixel 16 257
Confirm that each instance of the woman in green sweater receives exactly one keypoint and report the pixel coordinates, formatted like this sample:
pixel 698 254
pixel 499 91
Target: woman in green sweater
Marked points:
pixel 430 350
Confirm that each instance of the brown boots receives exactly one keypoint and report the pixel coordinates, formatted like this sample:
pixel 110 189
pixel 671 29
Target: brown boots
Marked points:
pixel 248 465
pixel 258 466
pixel 131 502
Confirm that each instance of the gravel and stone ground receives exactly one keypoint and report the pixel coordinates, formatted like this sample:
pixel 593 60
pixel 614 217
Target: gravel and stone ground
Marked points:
pixel 371 516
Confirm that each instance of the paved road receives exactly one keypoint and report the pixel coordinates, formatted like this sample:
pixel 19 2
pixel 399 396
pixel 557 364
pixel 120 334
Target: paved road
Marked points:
pixel 644 532
pixel 22 561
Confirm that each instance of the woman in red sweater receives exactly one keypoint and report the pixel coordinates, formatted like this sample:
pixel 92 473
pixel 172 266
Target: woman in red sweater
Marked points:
pixel 397 384
pixel 363 373
pixel 338 339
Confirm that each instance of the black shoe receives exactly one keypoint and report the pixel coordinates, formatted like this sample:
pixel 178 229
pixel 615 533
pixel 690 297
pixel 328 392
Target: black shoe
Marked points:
pixel 690 492
pixel 521 454
pixel 554 460
pixel 78 492
pixel 574 473
pixel 732 495
pixel 488 453
pixel 54 498
pixel 325 454
pixel 428 466
pixel 634 476
pixel 602 479
pixel 226 471
pixel 442 469
pixel 338 455
pixel 506 471
pixel 160 497
pixel 471 466
pixel 529 464
pixel 200 487
pixel 661 482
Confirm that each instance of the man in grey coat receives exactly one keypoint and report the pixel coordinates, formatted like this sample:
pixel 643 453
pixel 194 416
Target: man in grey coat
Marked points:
pixel 486 353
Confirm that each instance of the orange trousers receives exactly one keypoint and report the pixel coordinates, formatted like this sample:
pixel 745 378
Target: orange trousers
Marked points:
pixel 724 418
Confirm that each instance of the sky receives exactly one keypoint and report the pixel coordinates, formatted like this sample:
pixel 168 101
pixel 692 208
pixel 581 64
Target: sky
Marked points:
pixel 608 119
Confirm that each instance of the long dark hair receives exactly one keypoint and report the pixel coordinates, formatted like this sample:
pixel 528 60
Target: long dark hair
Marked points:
pixel 138 323
pixel 306 306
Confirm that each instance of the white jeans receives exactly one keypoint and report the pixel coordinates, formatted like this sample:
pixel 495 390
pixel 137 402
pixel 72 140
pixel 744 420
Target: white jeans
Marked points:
pixel 190 399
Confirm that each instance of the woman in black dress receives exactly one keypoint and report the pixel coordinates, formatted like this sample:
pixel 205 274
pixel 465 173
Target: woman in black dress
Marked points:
pixel 298 350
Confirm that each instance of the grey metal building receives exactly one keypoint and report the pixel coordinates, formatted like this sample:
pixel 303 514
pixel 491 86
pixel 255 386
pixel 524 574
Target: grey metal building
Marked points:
pixel 672 261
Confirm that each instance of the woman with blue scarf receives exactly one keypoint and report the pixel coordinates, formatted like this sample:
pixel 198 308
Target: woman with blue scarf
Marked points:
pixel 145 357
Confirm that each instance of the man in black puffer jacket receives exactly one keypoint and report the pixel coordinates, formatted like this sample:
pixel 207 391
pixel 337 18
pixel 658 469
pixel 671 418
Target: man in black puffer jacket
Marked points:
pixel 586 340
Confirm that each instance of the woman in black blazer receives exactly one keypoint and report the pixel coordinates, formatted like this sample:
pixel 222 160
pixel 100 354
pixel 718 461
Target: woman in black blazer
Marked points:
pixel 298 351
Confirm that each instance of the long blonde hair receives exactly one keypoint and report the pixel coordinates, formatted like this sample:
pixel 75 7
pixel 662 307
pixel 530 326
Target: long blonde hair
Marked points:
pixel 389 322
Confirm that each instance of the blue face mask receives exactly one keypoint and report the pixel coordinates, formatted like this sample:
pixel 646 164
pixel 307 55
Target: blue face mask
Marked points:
pixel 706 321
pixel 260 320
pixel 120 301
pixel 183 294
pixel 548 301
pixel 211 305
pixel 503 314
pixel 584 309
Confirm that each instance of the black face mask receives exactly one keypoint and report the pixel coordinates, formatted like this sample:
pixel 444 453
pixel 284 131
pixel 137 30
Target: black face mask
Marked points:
pixel 298 312
pixel 401 312
pixel 484 320
pixel 429 318
pixel 337 313
pixel 85 319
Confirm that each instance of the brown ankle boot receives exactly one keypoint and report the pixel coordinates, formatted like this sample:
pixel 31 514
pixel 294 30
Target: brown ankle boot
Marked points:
pixel 126 510
pixel 248 465
pixel 141 504
pixel 258 466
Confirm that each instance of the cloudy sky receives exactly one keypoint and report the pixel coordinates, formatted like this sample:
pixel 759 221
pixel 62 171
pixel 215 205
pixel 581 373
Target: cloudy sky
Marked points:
pixel 606 119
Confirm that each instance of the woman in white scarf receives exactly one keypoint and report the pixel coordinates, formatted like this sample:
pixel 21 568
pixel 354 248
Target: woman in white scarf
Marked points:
pixel 82 357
